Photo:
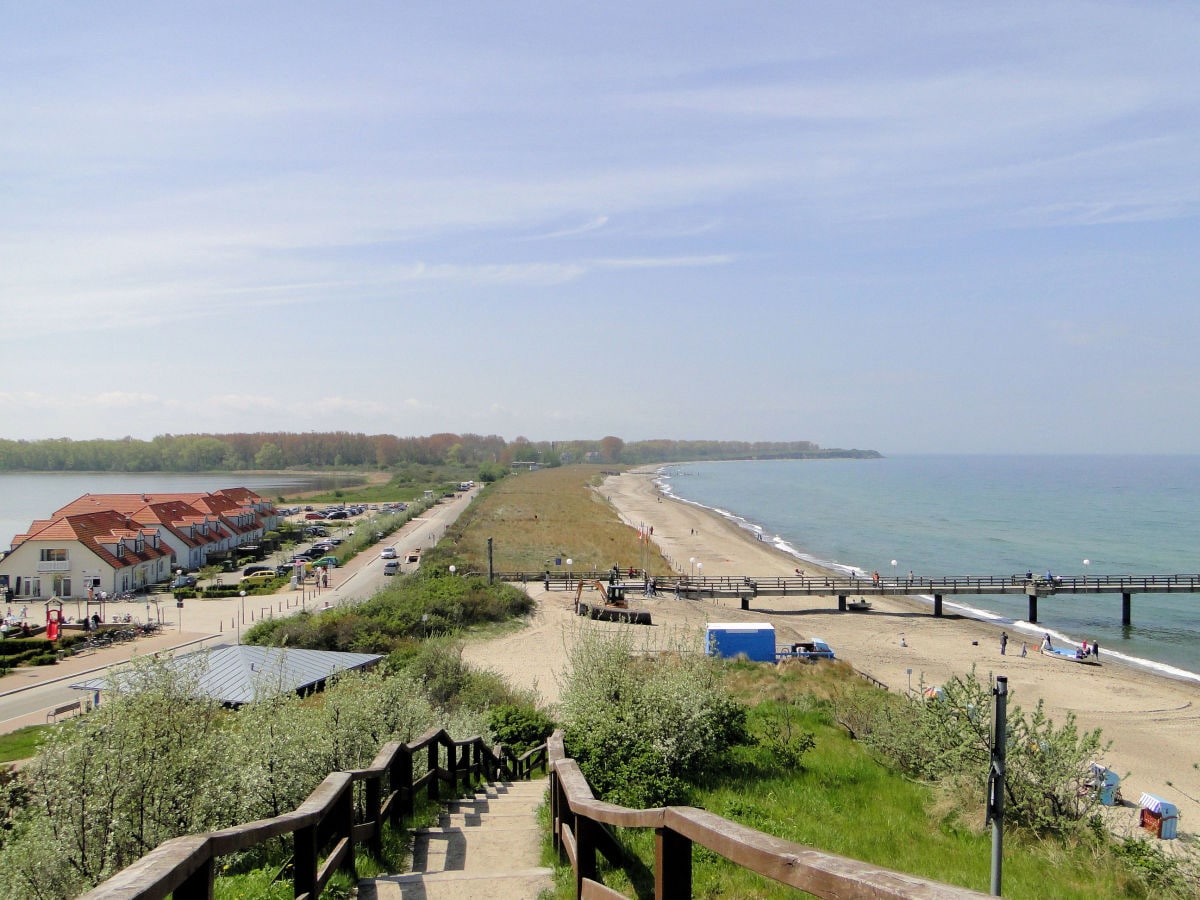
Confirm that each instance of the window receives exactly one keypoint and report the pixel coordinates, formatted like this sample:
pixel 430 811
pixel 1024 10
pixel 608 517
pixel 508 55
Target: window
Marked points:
pixel 120 548
pixel 33 587
pixel 52 555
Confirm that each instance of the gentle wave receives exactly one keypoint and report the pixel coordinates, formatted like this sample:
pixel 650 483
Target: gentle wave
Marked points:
pixel 1033 629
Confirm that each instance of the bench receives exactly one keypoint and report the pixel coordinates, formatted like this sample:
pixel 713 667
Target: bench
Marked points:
pixel 53 715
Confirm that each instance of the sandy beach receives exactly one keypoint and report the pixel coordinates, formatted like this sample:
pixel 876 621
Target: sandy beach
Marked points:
pixel 1151 721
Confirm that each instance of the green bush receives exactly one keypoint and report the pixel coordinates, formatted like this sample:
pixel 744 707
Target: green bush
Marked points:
pixel 520 728
pixel 640 726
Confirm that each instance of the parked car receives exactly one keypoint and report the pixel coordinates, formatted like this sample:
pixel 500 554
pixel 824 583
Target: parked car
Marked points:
pixel 388 553
pixel 257 579
pixel 313 516
pixel 338 514
pixel 330 562
pixel 184 581
pixel 391 567
pixel 254 570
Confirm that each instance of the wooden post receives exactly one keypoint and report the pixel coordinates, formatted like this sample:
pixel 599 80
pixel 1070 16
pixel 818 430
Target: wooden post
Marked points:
pixel 1032 607
pixel 585 850
pixel 402 783
pixel 199 885
pixel 745 602
pixel 1126 609
pixel 937 605
pixel 432 785
pixel 344 813
pixel 555 813
pixel 374 801
pixel 452 765
pixel 672 865
pixel 841 602
pixel 304 862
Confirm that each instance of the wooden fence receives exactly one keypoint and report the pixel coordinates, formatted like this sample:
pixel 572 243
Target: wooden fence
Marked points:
pixel 581 826
pixel 326 827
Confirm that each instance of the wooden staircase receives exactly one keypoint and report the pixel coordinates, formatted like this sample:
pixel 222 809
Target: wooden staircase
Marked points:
pixel 487 846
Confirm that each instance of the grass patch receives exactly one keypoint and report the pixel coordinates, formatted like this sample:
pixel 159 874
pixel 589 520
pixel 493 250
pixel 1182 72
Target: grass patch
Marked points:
pixel 536 518
pixel 22 743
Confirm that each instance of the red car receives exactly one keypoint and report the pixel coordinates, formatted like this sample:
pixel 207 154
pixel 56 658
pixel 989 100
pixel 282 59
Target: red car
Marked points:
pixel 313 516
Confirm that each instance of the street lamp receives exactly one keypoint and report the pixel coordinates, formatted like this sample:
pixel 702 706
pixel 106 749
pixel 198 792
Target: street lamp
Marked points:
pixel 452 570
pixel 570 571
pixel 1086 563
pixel 691 565
pixel 243 596
pixel 893 570
pixel 699 570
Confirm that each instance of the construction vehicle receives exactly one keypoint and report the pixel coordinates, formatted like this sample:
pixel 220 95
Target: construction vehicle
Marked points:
pixel 613 605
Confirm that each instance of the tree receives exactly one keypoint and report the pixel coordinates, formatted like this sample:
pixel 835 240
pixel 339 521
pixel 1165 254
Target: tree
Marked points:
pixel 611 448
pixel 269 456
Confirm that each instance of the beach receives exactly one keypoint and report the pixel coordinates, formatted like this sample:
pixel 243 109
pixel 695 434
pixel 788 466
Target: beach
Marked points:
pixel 1152 721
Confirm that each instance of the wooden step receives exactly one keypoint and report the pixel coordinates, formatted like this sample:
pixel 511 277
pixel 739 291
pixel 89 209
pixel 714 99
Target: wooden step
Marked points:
pixel 486 845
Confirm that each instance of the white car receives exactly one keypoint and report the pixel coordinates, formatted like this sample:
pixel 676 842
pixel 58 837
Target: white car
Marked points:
pixel 388 553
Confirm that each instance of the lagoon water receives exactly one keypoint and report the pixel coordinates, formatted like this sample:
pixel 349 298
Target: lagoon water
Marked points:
pixel 990 515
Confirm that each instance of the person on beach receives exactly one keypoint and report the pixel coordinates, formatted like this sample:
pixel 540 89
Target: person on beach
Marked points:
pixel 1096 649
pixel 1003 643
pixel 1024 649
pixel 1046 645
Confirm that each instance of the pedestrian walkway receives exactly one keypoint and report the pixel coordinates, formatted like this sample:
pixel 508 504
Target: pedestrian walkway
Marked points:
pixel 487 846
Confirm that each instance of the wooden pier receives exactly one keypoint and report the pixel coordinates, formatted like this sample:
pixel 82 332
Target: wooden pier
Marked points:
pixel 746 587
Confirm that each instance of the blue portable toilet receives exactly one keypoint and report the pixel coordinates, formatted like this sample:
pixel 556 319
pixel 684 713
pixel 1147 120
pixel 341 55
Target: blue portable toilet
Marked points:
pixel 754 640
pixel 1158 816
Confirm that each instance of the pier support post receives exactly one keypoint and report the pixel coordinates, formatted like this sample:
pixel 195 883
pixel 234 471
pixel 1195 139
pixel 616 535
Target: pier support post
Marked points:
pixel 745 601
pixel 1032 607
pixel 1126 609
pixel 841 602
pixel 937 605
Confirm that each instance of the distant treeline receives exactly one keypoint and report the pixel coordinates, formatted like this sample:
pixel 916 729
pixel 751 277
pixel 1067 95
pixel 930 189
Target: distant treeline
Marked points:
pixel 284 450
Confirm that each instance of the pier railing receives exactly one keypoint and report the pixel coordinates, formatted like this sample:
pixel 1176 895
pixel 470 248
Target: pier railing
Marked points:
pixel 747 587
pixel 326 827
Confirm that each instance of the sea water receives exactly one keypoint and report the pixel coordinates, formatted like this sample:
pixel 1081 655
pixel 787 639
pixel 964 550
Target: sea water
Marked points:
pixel 989 515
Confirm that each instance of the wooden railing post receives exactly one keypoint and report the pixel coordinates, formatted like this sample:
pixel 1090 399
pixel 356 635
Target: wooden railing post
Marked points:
pixel 672 865
pixel 585 849
pixel 304 862
pixel 374 800
pixel 555 813
pixel 344 828
pixel 199 885
pixel 452 765
pixel 402 784
pixel 432 755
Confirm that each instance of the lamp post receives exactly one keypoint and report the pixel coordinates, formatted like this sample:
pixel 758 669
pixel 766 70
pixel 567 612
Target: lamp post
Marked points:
pixel 893 571
pixel 699 570
pixel 453 570
pixel 691 565
pixel 1086 563
pixel 570 571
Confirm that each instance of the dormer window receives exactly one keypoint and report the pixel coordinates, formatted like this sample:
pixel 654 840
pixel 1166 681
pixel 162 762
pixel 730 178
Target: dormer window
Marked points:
pixel 120 548
pixel 139 544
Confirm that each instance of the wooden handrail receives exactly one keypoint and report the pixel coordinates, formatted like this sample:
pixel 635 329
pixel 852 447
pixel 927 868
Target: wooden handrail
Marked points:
pixel 576 817
pixel 324 824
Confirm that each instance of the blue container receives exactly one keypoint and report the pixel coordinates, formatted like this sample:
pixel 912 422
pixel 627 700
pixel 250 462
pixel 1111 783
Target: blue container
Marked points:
pixel 754 640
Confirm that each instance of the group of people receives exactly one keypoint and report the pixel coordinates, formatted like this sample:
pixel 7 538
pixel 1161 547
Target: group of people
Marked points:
pixel 1084 650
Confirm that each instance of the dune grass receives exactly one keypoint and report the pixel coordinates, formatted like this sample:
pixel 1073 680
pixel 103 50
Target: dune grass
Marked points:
pixel 538 520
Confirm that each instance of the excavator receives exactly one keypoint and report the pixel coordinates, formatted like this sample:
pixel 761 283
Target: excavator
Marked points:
pixel 614 607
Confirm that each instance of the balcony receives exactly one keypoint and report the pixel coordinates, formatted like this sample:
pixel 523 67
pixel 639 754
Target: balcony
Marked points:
pixel 63 566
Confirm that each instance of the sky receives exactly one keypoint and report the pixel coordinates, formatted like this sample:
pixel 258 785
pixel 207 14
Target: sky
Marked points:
pixel 913 227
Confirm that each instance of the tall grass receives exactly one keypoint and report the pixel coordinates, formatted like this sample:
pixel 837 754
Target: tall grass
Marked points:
pixel 538 520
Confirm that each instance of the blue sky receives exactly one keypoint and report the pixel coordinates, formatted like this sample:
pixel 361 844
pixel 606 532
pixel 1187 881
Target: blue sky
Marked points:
pixel 911 227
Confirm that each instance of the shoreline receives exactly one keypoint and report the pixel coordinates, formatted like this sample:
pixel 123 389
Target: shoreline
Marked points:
pixel 1149 717
pixel 1032 632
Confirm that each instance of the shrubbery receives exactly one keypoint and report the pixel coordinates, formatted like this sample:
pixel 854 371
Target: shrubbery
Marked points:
pixel 154 762
pixel 639 726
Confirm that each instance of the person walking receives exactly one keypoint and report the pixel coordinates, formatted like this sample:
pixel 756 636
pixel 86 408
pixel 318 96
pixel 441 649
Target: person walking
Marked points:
pixel 1003 643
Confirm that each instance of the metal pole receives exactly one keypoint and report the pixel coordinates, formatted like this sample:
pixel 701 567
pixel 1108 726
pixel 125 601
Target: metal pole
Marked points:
pixel 491 571
pixel 995 810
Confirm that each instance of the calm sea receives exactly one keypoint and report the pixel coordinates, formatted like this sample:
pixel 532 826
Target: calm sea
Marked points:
pixel 26 496
pixel 990 515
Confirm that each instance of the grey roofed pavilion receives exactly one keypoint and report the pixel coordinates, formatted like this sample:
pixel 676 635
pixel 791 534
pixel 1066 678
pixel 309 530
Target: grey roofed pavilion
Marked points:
pixel 242 674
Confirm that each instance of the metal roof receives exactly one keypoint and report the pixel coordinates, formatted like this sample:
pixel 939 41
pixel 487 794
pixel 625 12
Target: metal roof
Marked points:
pixel 242 674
